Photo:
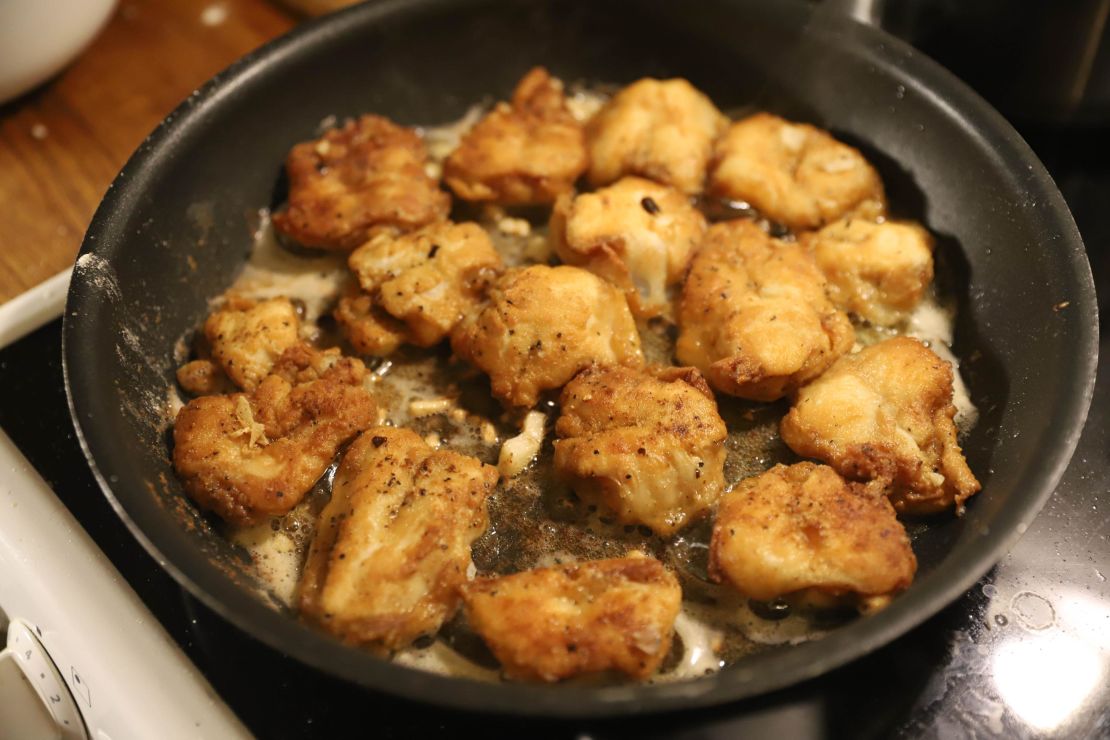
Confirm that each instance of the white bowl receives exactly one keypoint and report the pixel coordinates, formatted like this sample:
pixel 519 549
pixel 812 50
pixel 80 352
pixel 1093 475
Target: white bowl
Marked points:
pixel 39 37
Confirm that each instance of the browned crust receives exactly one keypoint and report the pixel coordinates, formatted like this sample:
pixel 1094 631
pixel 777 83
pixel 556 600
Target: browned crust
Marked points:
pixel 529 151
pixel 845 534
pixel 433 502
pixel 367 174
pixel 307 411
pixel 550 624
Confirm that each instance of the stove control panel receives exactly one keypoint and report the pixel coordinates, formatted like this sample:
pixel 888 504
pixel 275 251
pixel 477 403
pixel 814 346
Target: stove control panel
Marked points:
pixel 27 675
pixel 79 639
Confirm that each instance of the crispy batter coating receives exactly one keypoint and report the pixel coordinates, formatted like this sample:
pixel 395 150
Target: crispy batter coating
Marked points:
pixel 878 271
pixel 247 337
pixel 659 129
pixel 393 544
pixel 885 414
pixel 648 445
pixel 248 456
pixel 203 378
pixel 428 278
pixel 794 173
pixel 369 329
pixel 366 175
pixel 803 528
pixel 754 317
pixel 549 624
pixel 529 151
pixel 636 234
pixel 541 325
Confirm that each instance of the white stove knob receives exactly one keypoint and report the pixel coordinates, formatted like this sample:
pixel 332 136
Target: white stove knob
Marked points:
pixel 34 699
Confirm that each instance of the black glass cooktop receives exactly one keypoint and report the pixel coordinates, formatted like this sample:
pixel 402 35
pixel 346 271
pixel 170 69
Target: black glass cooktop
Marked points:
pixel 1025 653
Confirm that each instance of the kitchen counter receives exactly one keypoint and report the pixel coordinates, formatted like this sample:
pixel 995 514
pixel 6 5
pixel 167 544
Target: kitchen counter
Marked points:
pixel 61 144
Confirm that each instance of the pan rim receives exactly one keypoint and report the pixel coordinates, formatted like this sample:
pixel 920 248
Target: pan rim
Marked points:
pixel 794 665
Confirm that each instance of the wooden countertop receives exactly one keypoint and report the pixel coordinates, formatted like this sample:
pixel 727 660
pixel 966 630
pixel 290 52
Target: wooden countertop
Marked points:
pixel 61 144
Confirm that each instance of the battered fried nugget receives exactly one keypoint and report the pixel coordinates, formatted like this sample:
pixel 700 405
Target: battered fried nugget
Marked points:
pixel 429 278
pixel 793 173
pixel 802 530
pixel 550 624
pixel 649 446
pixel 878 271
pixel 531 151
pixel 203 378
pixel 247 337
pixel 636 234
pixel 369 329
pixel 885 414
pixel 754 317
pixel 540 325
pixel 393 545
pixel 247 456
pixel 659 129
pixel 366 175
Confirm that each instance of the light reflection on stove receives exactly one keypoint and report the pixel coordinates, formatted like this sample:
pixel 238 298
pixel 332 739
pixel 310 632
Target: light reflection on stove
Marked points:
pixel 1046 675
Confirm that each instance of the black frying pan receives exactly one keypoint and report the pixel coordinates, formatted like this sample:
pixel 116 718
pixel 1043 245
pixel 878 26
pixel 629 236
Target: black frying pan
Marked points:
pixel 174 228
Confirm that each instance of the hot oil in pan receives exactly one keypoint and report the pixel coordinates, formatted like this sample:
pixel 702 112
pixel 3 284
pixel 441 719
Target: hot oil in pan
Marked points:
pixel 534 520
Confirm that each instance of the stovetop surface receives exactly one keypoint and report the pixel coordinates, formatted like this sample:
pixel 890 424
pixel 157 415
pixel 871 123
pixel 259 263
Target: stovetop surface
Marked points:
pixel 1026 652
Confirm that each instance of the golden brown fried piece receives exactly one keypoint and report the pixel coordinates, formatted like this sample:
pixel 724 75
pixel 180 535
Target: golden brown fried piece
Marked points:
pixel 369 329
pixel 659 129
pixel 550 624
pixel 248 456
pixel 803 531
pixel 530 151
pixel 636 234
pixel 649 446
pixel 203 378
pixel 878 271
pixel 541 325
pixel 367 175
pixel 793 173
pixel 427 279
pixel 247 337
pixel 754 317
pixel 393 544
pixel 885 414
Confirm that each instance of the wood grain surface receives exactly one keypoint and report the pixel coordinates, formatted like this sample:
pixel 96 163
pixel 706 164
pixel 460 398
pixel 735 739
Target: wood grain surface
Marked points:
pixel 61 144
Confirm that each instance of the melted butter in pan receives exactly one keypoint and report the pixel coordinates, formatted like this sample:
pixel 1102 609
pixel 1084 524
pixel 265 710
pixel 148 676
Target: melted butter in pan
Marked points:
pixel 534 520
pixel 537 522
